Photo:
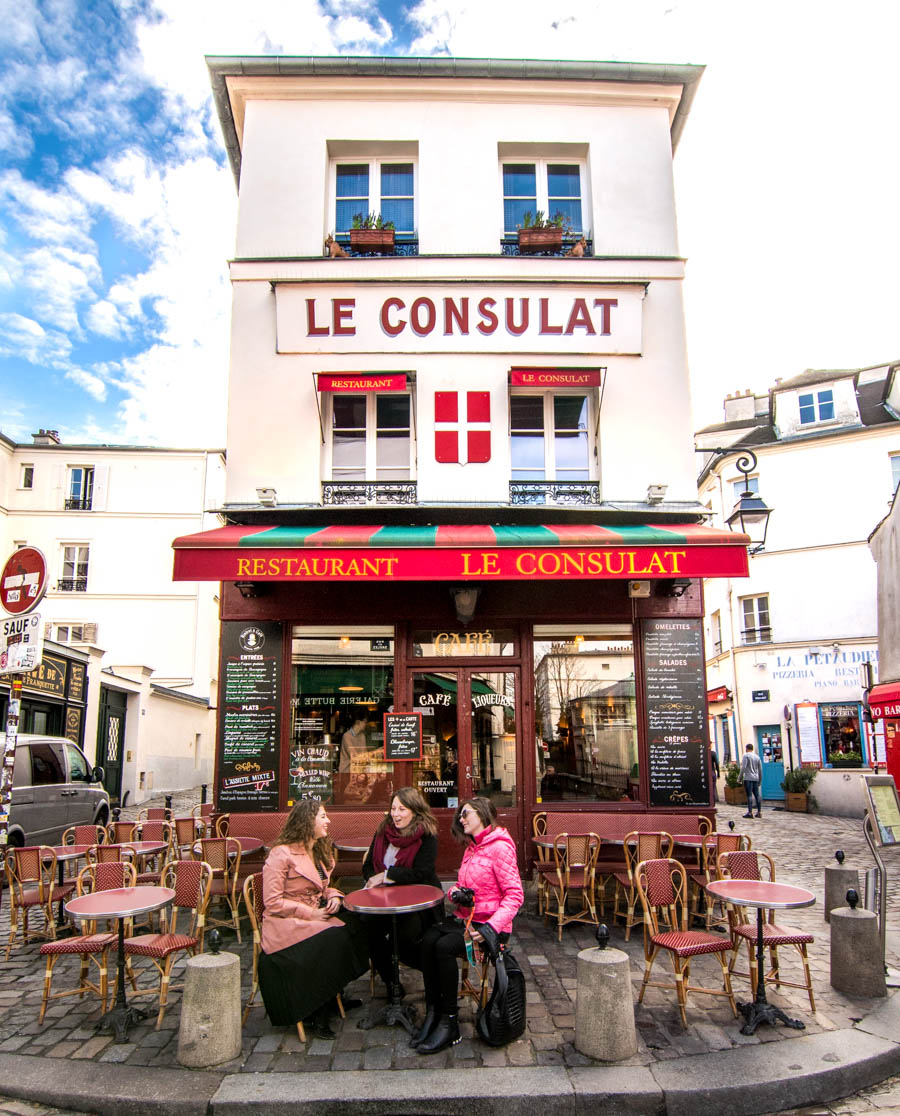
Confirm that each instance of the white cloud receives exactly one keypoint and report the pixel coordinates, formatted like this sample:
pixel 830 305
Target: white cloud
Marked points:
pixel 105 319
pixel 26 339
pixel 92 384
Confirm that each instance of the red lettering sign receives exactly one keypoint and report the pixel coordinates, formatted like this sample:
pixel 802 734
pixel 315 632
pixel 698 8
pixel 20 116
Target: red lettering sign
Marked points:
pixel 362 381
pixel 545 377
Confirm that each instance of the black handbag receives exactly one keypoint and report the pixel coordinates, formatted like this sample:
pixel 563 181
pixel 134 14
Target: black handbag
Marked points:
pixel 502 1018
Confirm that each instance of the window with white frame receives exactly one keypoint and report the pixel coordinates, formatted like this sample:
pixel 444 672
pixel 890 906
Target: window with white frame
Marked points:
pixel 381 186
pixel 26 477
pixel 756 626
pixel 895 471
pixel 816 406
pixel 738 487
pixel 80 488
pixel 371 437
pixel 69 633
pixel 74 571
pixel 715 631
pixel 549 436
pixel 542 185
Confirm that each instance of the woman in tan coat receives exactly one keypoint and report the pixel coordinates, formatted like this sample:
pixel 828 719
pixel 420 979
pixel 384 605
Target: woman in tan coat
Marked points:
pixel 310 948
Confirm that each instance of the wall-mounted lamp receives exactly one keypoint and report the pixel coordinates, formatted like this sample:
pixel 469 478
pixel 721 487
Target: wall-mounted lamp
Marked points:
pixel 656 493
pixel 267 497
pixel 344 642
pixel 674 587
pixel 247 588
pixel 465 598
pixel 750 515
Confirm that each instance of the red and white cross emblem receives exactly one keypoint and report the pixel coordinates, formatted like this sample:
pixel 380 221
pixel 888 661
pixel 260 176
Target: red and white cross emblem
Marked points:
pixel 476 427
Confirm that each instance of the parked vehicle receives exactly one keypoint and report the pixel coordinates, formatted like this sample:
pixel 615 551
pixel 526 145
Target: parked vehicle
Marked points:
pixel 54 787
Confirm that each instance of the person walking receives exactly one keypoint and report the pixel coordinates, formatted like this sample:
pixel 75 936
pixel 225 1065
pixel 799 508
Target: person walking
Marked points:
pixel 751 773
pixel 714 770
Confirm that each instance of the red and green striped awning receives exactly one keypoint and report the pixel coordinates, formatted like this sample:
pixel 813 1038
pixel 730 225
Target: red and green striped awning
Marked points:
pixel 562 551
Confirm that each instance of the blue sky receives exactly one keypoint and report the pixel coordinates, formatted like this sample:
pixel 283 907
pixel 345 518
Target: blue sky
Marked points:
pixel 117 208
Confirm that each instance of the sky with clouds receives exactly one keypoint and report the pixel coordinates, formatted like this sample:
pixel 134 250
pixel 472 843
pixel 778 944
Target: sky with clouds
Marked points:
pixel 117 207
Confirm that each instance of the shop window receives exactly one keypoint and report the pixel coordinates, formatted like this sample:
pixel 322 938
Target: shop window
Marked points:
pixel 756 627
pixel 385 187
pixel 895 471
pixel 371 437
pixel 80 488
pixel 816 406
pixel 342 684
pixel 585 714
pixel 26 477
pixel 542 186
pixel 841 735
pixel 75 560
pixel 549 437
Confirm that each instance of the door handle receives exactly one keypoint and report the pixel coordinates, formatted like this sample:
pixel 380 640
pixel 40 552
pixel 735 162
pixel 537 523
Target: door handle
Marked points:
pixel 469 772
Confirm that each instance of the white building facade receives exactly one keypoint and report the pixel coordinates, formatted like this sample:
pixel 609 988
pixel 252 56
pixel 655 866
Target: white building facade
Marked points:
pixel 103 517
pixel 790 649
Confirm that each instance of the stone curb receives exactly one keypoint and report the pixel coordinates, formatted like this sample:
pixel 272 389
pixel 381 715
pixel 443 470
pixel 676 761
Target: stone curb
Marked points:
pixel 746 1081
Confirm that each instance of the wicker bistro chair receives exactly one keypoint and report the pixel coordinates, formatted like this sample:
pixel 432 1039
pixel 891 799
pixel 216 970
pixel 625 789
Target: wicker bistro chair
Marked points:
pixel 638 846
pixel 662 887
pixel 31 875
pixel 477 993
pixel 544 865
pixel 155 863
pixel 120 831
pixel 204 811
pixel 154 813
pixel 222 823
pixel 746 865
pixel 84 835
pixel 575 860
pixel 89 946
pixel 724 843
pixel 190 879
pixel 186 835
pixel 110 854
pixel 223 855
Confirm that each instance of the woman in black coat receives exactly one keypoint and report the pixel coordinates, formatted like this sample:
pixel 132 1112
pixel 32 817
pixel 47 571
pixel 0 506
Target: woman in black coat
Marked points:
pixel 403 851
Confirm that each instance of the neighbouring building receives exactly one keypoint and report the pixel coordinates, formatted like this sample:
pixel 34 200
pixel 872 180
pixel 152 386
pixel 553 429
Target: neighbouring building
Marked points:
pixel 130 659
pixel 791 649
pixel 461 482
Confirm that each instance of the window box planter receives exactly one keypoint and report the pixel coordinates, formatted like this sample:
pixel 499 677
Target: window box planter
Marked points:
pixel 372 240
pixel 735 796
pixel 540 240
pixel 796 803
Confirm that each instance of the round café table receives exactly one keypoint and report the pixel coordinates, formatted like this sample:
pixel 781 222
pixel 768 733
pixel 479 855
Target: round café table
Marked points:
pixel 248 844
pixel 393 900
pixel 66 853
pixel 762 894
pixel 120 903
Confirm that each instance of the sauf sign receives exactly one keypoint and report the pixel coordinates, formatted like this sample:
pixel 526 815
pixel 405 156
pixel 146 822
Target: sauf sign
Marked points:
pixel 476 317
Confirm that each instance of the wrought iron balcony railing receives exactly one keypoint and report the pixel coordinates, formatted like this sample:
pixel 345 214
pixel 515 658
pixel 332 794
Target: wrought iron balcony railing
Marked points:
pixel 369 492
pixel 509 246
pixel 565 493
pixel 756 635
pixel 78 503
pixel 403 246
pixel 72 585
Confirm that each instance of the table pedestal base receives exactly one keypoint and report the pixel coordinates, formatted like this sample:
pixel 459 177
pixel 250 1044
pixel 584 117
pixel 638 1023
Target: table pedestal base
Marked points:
pixel 118 1020
pixel 393 1012
pixel 761 1011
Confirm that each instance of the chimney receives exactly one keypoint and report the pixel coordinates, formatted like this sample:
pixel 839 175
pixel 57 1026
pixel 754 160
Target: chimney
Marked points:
pixel 739 407
pixel 46 438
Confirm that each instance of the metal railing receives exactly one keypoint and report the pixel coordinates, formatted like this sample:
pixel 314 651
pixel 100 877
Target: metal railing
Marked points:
pixel 756 635
pixel 72 585
pixel 509 246
pixel 78 503
pixel 369 492
pixel 566 493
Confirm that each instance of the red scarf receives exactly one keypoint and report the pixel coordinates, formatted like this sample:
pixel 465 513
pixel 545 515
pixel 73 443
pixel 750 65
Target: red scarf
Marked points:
pixel 408 846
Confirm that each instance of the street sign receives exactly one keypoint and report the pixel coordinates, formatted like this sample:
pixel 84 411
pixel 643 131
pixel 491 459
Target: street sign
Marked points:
pixel 23 580
pixel 21 643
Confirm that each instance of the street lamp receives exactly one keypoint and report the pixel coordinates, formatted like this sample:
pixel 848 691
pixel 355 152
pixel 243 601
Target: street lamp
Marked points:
pixel 750 515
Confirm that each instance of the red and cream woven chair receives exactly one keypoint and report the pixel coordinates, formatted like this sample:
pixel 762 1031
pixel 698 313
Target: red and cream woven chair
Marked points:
pixel 31 875
pixel 724 843
pixel 110 853
pixel 253 901
pixel 154 813
pixel 745 865
pixel 662 887
pixel 637 846
pixel 574 860
pixel 118 832
pixel 91 947
pixel 84 835
pixel 544 865
pixel 186 834
pixel 223 855
pixel 152 866
pixel 190 880
pixel 222 823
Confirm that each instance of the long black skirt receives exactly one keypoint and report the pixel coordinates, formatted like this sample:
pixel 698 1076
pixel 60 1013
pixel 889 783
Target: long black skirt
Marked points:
pixel 297 981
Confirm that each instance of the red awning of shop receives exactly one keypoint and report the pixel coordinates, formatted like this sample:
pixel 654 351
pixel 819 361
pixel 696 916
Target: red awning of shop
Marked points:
pixel 884 700
pixel 476 552
pixel 720 693
pixel 360 381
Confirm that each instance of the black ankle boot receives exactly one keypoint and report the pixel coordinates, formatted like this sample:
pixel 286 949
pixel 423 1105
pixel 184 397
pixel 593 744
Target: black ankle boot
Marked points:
pixel 317 1025
pixel 445 1034
pixel 432 1015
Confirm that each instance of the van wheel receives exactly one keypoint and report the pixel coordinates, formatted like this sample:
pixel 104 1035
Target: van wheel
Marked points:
pixel 103 818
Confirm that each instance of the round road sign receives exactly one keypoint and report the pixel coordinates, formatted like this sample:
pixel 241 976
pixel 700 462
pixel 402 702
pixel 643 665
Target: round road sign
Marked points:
pixel 23 580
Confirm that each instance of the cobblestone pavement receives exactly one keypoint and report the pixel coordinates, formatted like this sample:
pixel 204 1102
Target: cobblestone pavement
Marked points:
pixel 802 845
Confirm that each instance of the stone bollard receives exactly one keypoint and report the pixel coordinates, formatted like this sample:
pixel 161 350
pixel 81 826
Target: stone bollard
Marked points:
pixel 210 1029
pixel 857 965
pixel 604 1008
pixel 838 880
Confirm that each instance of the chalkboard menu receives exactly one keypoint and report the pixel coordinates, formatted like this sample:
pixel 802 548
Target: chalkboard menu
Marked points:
pixel 249 737
pixel 403 736
pixel 311 771
pixel 675 710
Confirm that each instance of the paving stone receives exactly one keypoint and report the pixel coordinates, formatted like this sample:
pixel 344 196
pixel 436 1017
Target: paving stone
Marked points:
pixel 93 1046
pixel 256 1063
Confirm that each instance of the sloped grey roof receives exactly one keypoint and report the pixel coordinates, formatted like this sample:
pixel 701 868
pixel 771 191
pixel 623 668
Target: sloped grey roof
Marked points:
pixel 815 376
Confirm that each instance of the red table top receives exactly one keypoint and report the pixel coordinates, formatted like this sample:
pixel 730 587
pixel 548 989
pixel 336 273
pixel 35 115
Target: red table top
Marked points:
pixel 393 898
pixel 761 893
pixel 248 844
pixel 70 852
pixel 120 902
pixel 345 846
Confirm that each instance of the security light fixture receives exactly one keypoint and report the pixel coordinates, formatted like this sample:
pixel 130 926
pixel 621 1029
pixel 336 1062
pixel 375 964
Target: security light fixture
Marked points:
pixel 267 497
pixel 674 586
pixel 656 493
pixel 247 588
pixel 465 598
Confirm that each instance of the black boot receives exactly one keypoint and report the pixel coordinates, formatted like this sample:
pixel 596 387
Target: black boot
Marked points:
pixel 317 1025
pixel 432 1015
pixel 445 1034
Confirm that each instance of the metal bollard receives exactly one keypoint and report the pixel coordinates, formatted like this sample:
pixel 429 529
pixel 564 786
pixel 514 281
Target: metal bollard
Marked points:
pixel 168 802
pixel 870 898
pixel 203 794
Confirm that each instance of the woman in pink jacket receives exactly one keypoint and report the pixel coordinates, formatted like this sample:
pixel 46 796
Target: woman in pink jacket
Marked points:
pixel 489 878
pixel 310 949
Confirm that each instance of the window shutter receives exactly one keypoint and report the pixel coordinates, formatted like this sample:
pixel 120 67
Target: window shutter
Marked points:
pixel 90 633
pixel 59 484
pixel 48 630
pixel 101 487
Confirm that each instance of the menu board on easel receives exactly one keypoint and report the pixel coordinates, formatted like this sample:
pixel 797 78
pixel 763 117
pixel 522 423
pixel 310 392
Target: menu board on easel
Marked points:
pixel 806 715
pixel 675 712
pixel 249 731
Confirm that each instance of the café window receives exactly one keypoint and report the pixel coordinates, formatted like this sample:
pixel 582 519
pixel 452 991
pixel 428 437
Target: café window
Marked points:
pixel 546 187
pixel 549 436
pixel 585 714
pixel 371 437
pixel 755 623
pixel 385 188
pixel 342 684
pixel 26 477
pixel 428 643
pixel 841 735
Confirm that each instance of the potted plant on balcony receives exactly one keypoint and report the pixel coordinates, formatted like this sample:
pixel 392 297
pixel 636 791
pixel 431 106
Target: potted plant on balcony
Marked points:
pixel 735 795
pixel 796 784
pixel 538 233
pixel 370 233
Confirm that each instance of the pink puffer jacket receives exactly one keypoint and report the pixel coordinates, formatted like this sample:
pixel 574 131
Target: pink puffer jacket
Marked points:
pixel 489 868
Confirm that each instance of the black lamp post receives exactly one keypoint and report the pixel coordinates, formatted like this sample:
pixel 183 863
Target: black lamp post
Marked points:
pixel 750 515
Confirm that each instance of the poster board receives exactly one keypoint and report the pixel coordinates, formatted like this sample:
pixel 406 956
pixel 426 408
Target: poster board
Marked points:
pixel 806 718
pixel 883 807
pixel 402 737
pixel 675 710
